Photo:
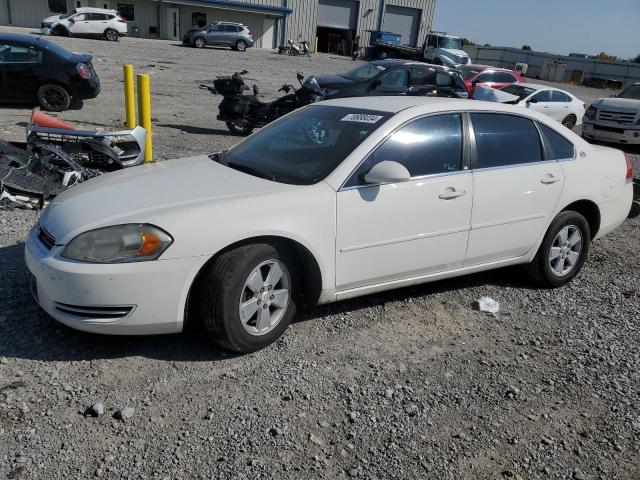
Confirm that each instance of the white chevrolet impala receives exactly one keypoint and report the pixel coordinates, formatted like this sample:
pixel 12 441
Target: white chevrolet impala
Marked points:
pixel 339 199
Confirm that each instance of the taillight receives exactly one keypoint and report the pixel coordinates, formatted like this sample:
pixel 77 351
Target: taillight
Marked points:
pixel 249 33
pixel 83 70
pixel 122 20
pixel 629 177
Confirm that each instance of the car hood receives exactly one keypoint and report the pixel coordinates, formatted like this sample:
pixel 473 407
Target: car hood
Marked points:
pixel 52 18
pixel 489 94
pixel 454 55
pixel 623 104
pixel 326 81
pixel 147 193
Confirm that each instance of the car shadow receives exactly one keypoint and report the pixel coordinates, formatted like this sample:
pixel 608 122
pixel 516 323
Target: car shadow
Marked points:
pixel 27 332
pixel 196 130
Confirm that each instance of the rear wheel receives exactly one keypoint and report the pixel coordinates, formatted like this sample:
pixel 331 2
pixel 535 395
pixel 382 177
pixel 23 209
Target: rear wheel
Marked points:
pixel 563 251
pixel 199 42
pixel 569 121
pixel 247 297
pixel 239 129
pixel 53 97
pixel 241 45
pixel 111 35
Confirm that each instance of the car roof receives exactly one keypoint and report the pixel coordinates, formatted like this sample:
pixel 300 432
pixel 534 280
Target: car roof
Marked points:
pixel 398 62
pixel 222 22
pixel 540 86
pixel 424 104
pixel 482 68
pixel 94 10
pixel 19 37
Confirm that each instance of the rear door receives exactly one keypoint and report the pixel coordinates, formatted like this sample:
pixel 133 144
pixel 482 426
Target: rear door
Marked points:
pixel 97 23
pixel 540 102
pixel 20 70
pixel 516 186
pixel 560 105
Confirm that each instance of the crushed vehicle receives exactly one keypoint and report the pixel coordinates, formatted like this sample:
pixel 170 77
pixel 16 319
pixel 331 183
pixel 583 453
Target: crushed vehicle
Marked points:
pixel 56 156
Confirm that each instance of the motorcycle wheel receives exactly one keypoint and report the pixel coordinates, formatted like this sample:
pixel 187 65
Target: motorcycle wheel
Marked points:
pixel 238 129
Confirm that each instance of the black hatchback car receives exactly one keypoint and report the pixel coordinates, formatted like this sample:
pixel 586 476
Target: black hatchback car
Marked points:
pixel 391 77
pixel 34 71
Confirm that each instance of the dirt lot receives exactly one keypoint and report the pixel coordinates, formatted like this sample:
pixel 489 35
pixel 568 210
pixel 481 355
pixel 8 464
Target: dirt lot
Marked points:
pixel 409 384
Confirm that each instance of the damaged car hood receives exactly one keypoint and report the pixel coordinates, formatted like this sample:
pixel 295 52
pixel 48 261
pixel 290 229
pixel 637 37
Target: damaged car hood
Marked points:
pixel 622 104
pixel 489 94
pixel 147 193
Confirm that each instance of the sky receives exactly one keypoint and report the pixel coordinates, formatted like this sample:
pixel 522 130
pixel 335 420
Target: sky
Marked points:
pixel 557 26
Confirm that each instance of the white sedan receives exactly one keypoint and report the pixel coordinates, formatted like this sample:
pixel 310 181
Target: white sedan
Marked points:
pixel 339 199
pixel 558 104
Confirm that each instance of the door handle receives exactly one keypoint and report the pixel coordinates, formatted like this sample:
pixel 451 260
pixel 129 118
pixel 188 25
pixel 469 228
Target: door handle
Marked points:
pixel 451 193
pixel 550 178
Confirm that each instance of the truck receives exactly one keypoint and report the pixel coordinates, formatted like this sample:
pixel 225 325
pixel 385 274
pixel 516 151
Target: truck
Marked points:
pixel 439 48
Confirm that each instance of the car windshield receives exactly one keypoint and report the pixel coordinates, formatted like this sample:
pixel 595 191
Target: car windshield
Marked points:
pixel 631 92
pixel 364 73
pixel 519 90
pixel 450 42
pixel 468 72
pixel 304 147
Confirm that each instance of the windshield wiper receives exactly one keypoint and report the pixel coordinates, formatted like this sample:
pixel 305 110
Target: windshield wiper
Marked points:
pixel 250 170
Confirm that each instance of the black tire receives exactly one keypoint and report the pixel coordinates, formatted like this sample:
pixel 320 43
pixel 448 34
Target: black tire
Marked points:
pixel 539 270
pixel 54 98
pixel 241 46
pixel 569 121
pixel 237 129
pixel 60 32
pixel 220 293
pixel 199 42
pixel 111 35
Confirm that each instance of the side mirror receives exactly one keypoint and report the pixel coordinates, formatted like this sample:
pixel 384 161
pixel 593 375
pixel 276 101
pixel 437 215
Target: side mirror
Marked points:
pixel 387 171
pixel 532 100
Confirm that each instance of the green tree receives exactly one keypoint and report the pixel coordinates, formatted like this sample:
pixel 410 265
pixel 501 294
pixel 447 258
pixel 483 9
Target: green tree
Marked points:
pixel 466 41
pixel 606 56
pixel 526 47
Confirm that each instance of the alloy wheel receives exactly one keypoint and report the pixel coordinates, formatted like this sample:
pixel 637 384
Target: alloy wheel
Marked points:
pixel 569 121
pixel 54 98
pixel 565 251
pixel 199 42
pixel 265 297
pixel 111 35
pixel 241 46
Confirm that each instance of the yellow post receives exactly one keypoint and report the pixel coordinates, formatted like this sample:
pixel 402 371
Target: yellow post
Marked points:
pixel 315 46
pixel 144 113
pixel 129 97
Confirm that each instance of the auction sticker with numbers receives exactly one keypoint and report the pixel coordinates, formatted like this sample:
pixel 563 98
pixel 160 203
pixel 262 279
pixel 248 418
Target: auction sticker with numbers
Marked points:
pixel 361 118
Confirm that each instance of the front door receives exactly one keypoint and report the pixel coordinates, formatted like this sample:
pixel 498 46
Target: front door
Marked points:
pixel 173 24
pixel 80 24
pixel 515 188
pixel 20 71
pixel 400 230
pixel 392 82
pixel 541 102
pixel 215 35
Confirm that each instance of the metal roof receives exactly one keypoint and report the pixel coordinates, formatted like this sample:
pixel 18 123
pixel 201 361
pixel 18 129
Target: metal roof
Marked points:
pixel 233 5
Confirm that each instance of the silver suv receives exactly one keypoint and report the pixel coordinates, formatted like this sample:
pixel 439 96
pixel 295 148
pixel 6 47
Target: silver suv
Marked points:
pixel 220 34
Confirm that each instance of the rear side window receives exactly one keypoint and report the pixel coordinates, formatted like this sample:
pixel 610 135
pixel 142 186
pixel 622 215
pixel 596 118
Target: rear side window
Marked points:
pixel 97 16
pixel 562 148
pixel 503 77
pixel 395 78
pixel 426 146
pixel 503 140
pixel 230 28
pixel 559 97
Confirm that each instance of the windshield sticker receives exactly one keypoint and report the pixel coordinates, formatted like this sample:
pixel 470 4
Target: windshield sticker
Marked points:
pixel 361 118
pixel 381 68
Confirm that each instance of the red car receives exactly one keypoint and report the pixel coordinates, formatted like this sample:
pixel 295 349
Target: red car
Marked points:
pixel 488 76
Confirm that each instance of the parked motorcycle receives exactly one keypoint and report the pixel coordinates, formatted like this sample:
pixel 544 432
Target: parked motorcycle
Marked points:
pixel 242 113
pixel 295 49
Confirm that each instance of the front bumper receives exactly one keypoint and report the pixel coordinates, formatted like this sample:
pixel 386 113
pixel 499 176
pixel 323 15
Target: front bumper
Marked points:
pixel 45 30
pixel 615 134
pixel 117 299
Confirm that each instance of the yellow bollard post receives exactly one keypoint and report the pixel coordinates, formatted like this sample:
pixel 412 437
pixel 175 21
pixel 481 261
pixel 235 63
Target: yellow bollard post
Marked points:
pixel 129 97
pixel 144 113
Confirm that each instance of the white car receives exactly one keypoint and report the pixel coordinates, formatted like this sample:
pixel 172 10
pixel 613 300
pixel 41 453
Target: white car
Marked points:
pixel 615 119
pixel 87 22
pixel 558 104
pixel 339 199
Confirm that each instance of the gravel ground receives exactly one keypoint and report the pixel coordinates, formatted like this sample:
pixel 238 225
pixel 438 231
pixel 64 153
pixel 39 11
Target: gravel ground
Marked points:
pixel 408 384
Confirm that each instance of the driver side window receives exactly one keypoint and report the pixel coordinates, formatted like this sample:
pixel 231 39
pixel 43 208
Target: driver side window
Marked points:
pixel 543 96
pixel 19 54
pixel 427 146
pixel 395 78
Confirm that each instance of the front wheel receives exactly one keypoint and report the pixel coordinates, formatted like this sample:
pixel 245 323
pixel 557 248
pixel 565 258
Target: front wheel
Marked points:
pixel 241 45
pixel 53 97
pixel 563 251
pixel 247 297
pixel 239 129
pixel 111 35
pixel 199 42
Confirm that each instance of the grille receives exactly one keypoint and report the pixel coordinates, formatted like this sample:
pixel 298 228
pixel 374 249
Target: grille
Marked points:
pixel 608 129
pixel 617 117
pixel 46 238
pixel 94 312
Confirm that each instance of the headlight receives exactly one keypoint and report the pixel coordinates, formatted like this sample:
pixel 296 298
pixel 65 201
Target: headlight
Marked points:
pixel 591 113
pixel 327 92
pixel 119 244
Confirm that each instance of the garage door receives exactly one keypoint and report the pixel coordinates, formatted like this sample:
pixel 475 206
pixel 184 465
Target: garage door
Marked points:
pixel 341 14
pixel 403 21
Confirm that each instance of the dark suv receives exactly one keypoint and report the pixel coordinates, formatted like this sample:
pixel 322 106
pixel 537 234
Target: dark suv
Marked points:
pixel 220 34
pixel 391 77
